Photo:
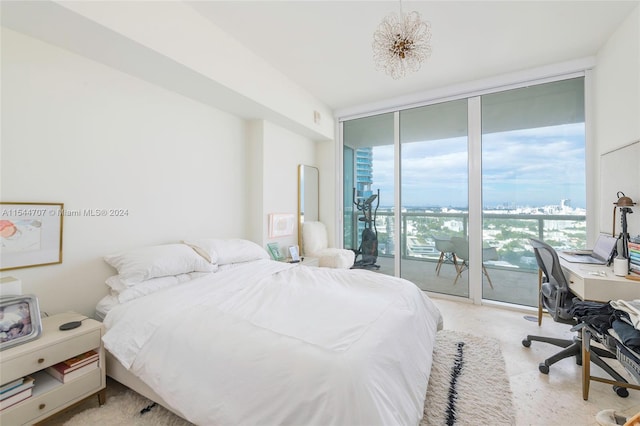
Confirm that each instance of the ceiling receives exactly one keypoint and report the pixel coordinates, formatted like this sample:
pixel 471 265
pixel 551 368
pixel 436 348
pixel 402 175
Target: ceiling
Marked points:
pixel 325 46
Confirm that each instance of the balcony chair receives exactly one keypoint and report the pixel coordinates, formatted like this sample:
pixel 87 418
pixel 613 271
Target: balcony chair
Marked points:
pixel 447 254
pixel 461 251
pixel 556 297
pixel 315 245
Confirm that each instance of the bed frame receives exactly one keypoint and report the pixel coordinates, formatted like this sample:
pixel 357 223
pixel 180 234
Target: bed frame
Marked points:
pixel 119 373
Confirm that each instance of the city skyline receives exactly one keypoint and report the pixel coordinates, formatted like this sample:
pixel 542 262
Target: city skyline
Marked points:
pixel 521 168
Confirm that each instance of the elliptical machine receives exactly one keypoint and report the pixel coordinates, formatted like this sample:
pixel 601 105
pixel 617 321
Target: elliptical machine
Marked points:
pixel 368 249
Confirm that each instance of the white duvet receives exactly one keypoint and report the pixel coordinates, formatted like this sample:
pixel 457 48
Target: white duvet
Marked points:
pixel 269 343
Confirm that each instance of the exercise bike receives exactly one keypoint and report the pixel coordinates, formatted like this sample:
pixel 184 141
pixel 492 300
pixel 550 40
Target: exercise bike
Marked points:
pixel 368 250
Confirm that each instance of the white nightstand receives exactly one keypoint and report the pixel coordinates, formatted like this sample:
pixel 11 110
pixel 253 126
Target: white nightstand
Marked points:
pixel 50 395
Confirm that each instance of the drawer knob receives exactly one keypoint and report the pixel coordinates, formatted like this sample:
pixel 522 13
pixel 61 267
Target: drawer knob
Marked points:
pixel 41 406
pixel 40 360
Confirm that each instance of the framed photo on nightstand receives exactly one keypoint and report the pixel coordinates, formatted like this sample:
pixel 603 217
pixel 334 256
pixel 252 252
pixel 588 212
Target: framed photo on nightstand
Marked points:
pixel 274 251
pixel 19 320
pixel 293 252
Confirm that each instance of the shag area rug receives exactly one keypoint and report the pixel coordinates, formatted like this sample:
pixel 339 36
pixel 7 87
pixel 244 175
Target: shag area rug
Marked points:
pixel 468 386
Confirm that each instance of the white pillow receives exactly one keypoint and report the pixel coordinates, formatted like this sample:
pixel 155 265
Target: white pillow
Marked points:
pixel 135 266
pixel 225 251
pixel 155 284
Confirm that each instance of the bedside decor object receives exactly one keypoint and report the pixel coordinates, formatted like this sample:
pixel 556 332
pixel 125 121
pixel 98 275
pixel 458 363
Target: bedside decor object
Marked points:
pixel 401 43
pixel 10 286
pixel 281 224
pixel 274 251
pixel 19 320
pixel 294 253
pixel 624 203
pixel 30 234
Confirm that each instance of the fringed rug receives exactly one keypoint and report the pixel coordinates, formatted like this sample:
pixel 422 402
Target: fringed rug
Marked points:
pixel 468 386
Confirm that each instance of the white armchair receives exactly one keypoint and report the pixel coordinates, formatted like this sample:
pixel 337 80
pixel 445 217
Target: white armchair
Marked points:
pixel 315 245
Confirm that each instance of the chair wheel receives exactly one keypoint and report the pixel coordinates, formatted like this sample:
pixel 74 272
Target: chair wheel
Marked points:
pixel 622 392
pixel 526 343
pixel 544 368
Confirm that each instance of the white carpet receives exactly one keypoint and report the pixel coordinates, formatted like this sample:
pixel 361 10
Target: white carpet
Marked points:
pixel 467 386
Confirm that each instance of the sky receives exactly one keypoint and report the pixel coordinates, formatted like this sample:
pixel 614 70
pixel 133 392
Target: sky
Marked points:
pixel 521 168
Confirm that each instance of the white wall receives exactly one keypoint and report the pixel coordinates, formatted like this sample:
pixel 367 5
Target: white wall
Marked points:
pixel 78 132
pixel 616 107
pixel 283 152
pixel 617 87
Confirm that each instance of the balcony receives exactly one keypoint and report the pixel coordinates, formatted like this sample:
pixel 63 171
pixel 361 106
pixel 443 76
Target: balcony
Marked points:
pixel 514 275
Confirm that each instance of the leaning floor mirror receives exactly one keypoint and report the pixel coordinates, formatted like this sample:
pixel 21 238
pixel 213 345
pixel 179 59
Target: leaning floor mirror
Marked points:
pixel 308 196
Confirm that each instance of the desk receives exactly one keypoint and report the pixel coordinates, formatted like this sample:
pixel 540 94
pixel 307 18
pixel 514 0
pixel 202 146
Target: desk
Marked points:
pixel 585 283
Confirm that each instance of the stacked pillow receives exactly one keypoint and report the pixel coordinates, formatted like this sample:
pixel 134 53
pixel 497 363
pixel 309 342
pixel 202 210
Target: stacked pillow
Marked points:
pixel 227 251
pixel 145 270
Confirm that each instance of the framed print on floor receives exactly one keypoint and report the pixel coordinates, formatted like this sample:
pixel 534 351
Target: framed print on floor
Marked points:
pixel 30 234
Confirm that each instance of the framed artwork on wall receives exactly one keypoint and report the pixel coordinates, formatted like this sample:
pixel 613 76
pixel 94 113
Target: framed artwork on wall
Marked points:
pixel 281 224
pixel 30 234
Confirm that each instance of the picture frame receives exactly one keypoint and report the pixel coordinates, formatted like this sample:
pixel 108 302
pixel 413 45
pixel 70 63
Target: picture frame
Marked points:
pixel 30 234
pixel 294 253
pixel 274 251
pixel 19 320
pixel 281 224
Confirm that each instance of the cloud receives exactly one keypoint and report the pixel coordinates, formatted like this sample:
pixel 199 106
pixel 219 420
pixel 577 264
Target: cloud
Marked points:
pixel 531 167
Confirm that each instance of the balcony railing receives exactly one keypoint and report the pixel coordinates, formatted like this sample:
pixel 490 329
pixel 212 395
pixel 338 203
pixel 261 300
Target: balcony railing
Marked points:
pixel 513 275
pixel 508 233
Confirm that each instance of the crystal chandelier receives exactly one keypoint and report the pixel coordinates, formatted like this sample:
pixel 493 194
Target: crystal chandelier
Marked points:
pixel 401 43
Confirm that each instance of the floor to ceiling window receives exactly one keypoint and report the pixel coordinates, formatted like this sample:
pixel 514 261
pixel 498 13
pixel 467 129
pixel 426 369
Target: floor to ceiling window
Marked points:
pixel 454 186
pixel 434 194
pixel 533 180
pixel 369 169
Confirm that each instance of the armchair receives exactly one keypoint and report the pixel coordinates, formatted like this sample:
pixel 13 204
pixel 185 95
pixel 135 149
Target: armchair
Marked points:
pixel 315 244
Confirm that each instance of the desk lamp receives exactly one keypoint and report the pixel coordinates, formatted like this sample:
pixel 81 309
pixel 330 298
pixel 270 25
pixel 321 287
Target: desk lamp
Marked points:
pixel 624 203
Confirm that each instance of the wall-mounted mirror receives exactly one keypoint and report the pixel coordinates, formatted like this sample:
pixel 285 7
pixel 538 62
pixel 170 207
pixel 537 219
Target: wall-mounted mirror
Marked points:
pixel 308 196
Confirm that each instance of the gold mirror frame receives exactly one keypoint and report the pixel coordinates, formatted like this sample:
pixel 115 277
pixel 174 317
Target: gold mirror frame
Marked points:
pixel 308 197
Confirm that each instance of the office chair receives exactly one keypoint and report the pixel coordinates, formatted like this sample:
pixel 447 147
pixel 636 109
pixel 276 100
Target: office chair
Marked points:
pixel 556 297
pixel 461 251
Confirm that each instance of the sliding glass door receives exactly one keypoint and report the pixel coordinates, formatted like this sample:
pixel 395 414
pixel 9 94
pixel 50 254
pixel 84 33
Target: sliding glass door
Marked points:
pixel 533 181
pixel 464 184
pixel 434 196
pixel 368 188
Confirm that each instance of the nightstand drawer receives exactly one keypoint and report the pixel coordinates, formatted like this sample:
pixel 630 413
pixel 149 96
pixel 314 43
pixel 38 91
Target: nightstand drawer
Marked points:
pixel 49 355
pixel 54 397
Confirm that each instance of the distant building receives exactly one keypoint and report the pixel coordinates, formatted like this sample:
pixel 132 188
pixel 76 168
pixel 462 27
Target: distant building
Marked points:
pixel 364 172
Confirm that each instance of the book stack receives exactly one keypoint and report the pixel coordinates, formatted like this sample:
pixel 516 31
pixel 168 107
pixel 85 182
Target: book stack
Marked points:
pixel 15 391
pixel 634 258
pixel 74 367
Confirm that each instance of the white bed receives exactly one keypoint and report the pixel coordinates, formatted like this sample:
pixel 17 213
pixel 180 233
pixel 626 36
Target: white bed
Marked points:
pixel 265 342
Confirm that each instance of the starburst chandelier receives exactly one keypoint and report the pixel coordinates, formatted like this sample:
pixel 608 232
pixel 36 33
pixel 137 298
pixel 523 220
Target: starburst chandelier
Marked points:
pixel 401 43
